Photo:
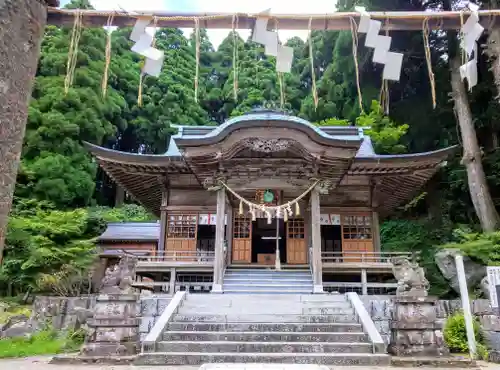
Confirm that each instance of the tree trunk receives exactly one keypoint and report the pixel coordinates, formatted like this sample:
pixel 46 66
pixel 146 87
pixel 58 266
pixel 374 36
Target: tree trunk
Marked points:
pixel 478 188
pixel 119 196
pixel 22 24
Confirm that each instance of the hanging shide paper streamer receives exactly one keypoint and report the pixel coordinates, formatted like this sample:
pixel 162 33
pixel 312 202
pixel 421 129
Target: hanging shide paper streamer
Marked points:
pixel 196 77
pixel 235 57
pixel 427 48
pixel 272 47
pixel 393 62
pixel 313 74
pixel 356 65
pixel 269 211
pixel 73 51
pixel 108 56
pixel 145 46
pixel 470 32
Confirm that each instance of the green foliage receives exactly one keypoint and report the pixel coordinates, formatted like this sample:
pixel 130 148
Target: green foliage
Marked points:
pixel 50 250
pixel 47 342
pixel 422 236
pixel 385 133
pixel 42 240
pixel 455 333
pixel 128 212
pixel 483 248
pixel 13 310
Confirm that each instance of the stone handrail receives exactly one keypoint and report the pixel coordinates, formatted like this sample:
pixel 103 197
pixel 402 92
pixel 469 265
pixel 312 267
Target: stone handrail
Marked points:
pixel 154 336
pixel 367 323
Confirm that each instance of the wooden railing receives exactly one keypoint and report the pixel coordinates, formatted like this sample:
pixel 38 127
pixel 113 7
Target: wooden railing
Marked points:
pixel 175 256
pixel 371 288
pixel 365 257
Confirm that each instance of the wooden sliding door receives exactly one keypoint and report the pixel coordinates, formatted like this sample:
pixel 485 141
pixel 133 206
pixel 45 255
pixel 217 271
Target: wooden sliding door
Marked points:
pixel 181 236
pixel 296 249
pixel 242 239
pixel 357 238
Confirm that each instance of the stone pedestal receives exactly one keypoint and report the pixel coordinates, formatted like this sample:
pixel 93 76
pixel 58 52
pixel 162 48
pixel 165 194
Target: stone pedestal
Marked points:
pixel 114 329
pixel 415 330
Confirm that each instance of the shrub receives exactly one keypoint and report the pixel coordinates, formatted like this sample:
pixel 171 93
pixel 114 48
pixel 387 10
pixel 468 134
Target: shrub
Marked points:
pixel 46 342
pixel 455 333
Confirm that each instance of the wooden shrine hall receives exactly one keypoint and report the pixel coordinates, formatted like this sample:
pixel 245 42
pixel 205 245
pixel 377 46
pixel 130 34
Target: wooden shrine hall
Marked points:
pixel 215 188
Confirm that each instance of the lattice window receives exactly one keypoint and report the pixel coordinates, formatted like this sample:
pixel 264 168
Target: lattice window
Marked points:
pixel 242 226
pixel 296 228
pixel 182 226
pixel 357 227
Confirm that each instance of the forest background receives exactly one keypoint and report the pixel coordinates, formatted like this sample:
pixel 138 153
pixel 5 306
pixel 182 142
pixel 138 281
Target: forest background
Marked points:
pixel 63 200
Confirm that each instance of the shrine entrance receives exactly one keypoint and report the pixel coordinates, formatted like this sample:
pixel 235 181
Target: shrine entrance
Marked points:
pixel 265 237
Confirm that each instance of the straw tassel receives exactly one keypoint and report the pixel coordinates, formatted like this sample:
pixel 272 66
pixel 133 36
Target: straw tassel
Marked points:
pixel 241 207
pixel 297 209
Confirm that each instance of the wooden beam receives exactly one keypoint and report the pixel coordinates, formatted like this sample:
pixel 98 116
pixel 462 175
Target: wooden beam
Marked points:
pixel 334 21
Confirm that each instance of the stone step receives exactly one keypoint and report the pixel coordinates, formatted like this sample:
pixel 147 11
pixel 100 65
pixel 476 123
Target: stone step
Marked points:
pixel 265 318
pixel 265 286
pixel 263 347
pixel 267 298
pixel 271 290
pixel 264 310
pixel 270 275
pixel 253 336
pixel 243 303
pixel 266 327
pixel 264 281
pixel 193 358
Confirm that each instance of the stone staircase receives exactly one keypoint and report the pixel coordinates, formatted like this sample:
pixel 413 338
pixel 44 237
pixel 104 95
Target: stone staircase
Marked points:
pixel 261 328
pixel 267 281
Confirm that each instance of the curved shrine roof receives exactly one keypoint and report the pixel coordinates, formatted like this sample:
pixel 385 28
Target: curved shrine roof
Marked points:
pixel 129 169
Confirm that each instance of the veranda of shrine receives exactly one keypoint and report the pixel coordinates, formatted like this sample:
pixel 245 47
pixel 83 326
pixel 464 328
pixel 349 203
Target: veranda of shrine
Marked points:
pixel 267 158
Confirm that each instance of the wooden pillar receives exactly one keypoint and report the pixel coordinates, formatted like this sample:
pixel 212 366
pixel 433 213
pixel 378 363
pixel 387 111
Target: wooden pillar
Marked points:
pixel 229 233
pixel 22 23
pixel 163 224
pixel 316 242
pixel 219 241
pixel 375 231
pixel 364 282
pixel 173 279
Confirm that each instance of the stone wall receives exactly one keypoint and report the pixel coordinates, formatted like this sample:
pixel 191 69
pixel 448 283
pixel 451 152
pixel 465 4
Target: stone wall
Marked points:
pixel 65 313
pixel 380 309
pixel 151 308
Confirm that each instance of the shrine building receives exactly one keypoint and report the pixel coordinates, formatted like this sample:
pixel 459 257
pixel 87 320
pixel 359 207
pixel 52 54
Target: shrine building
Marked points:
pixel 262 186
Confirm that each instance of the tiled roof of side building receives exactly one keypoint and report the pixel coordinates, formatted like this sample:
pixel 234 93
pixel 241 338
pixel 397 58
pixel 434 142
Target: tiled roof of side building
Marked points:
pixel 131 231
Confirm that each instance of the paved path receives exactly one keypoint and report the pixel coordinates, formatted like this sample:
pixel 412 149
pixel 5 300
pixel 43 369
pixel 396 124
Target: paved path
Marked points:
pixel 41 363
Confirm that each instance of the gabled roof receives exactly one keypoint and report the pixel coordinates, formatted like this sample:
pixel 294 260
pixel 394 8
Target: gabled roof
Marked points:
pixel 131 231
pixel 205 135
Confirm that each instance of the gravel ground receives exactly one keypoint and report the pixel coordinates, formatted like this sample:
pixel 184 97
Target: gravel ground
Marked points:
pixel 41 363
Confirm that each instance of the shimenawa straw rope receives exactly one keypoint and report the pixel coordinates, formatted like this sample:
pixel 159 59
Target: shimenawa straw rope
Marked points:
pixel 73 51
pixel 105 76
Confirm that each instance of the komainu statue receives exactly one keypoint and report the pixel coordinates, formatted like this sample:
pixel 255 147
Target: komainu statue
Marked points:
pixel 411 278
pixel 119 278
